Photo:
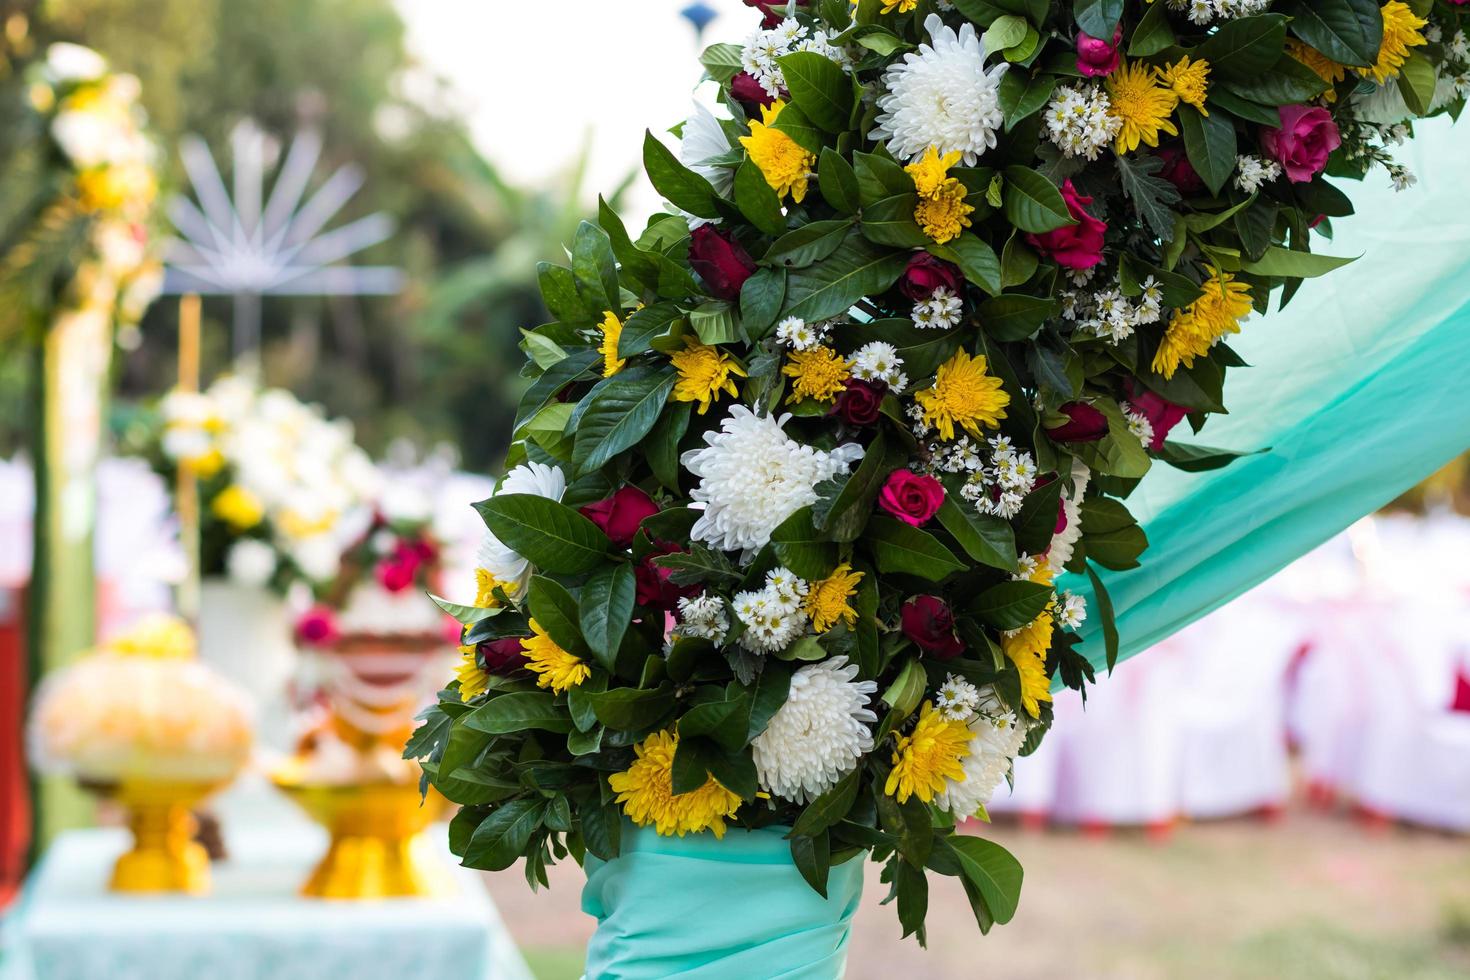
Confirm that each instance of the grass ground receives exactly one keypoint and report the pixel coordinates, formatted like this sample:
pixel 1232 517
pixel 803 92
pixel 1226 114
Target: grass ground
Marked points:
pixel 1311 896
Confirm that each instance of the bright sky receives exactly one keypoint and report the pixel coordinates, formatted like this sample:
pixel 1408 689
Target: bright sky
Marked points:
pixel 537 77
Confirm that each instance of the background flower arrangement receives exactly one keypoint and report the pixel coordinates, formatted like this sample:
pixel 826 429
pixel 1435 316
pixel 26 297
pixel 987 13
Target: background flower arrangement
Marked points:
pixel 800 466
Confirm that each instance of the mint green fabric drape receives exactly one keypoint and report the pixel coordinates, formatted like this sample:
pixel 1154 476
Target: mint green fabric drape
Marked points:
pixel 698 908
pixel 1359 387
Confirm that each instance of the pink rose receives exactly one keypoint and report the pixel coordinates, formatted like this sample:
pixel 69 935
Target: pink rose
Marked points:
pixel 929 622
pixel 1084 424
pixel 926 274
pixel 1096 57
pixel 620 515
pixel 1076 246
pixel 1305 140
pixel 911 497
pixel 317 627
pixel 1162 414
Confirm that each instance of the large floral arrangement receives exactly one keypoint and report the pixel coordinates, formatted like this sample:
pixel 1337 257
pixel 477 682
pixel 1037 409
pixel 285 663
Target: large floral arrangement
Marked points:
pixel 284 490
pixel 800 465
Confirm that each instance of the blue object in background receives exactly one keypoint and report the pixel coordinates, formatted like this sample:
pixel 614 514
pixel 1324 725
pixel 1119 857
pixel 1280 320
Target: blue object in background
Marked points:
pixel 699 14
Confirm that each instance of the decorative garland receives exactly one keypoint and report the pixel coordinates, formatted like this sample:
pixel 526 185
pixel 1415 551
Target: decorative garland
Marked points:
pixel 799 466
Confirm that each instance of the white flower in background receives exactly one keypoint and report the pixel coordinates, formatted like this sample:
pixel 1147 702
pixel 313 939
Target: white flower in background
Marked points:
pixel 1071 611
pixel 877 361
pixel 1252 173
pixel 1080 122
pixel 703 616
pixel 999 736
pixel 1063 544
pixel 941 96
pixel 318 556
pixel 797 334
pixel 507 566
pixel 957 699
pixel 190 420
pixel 752 476
pixel 1140 426
pixel 73 63
pixel 250 562
pixel 705 141
pixel 819 734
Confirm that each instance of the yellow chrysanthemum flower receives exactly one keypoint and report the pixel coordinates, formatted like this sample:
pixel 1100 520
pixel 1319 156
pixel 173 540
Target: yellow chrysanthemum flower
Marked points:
pixel 646 791
pixel 612 330
pixel 1188 80
pixel 1026 648
pixel 473 680
pixel 1328 70
pixel 238 507
pixel 485 586
pixel 903 6
pixel 1192 331
pixel 928 756
pixel 942 211
pixel 1401 31
pixel 704 372
pixel 820 373
pixel 964 395
pixel 827 600
pixel 1141 104
pixel 931 171
pixel 161 636
pixel 555 667
pixel 786 165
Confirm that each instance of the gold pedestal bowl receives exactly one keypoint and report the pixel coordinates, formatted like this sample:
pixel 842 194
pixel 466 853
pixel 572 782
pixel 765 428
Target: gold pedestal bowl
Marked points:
pixel 164 857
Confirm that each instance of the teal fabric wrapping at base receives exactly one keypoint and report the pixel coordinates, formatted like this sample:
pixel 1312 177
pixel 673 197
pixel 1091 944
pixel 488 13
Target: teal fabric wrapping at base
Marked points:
pixel 1358 388
pixel 705 909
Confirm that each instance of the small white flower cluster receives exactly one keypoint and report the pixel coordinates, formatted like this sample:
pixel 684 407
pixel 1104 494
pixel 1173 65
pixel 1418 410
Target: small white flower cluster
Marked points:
pixel 1080 122
pixel 1252 172
pixel 1140 426
pixel 994 487
pixel 797 334
pixel 1205 11
pixel 957 699
pixel 941 311
pixel 764 49
pixel 703 616
pixel 1108 314
pixel 1070 610
pixel 1459 47
pixel 1401 176
pixel 773 616
pixel 878 361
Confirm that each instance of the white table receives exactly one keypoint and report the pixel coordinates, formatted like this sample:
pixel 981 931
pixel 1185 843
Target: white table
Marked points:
pixel 252 926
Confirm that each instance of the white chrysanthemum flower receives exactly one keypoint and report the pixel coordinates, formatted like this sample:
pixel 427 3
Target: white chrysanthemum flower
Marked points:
pixel 1063 544
pixel 819 734
pixel 957 698
pixel 703 616
pixel 941 96
pixel 250 562
pixel 1071 611
pixel 703 142
pixel 992 751
pixel 1252 173
pixel 752 476
pixel 877 361
pixel 507 566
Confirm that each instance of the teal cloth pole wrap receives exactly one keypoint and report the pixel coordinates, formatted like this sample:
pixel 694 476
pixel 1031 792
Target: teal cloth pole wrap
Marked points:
pixel 704 909
pixel 1358 387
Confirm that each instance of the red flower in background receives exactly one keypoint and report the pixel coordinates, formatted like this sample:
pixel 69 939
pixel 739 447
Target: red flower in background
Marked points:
pixel 317 627
pixel 720 261
pixel 655 589
pixel 1178 171
pixel 749 92
pixel 1076 246
pixel 925 274
pixel 911 497
pixel 927 621
pixel 1084 424
pixel 619 515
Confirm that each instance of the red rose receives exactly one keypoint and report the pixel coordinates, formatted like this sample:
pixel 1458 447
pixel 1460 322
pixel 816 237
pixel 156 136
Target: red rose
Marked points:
pixel 1076 246
pixel 925 274
pixel 654 588
pixel 1085 424
pixel 911 497
pixel 1162 414
pixel 749 92
pixel 620 514
pixel 501 656
pixel 317 627
pixel 927 621
pixel 1178 171
pixel 1305 140
pixel 1096 57
pixel 720 261
pixel 774 10
pixel 860 403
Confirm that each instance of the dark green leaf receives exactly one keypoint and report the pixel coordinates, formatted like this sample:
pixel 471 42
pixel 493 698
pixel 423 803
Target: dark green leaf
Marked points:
pixel 1015 317
pixel 891 222
pixel 619 415
pixel 1037 520
pixel 813 857
pixel 519 712
pixel 810 243
pixel 802 548
pixel 631 710
pixel 606 609
pixel 975 258
pixel 993 870
pixel 595 268
pixel 555 611
pixel 553 536
pixel 1011 605
pixel 899 548
pixel 1151 194
pixel 1104 604
pixel 1347 31
pixel 819 88
pixel 760 301
pixel 1210 143
pixel 1244 47
pixel 503 835
pixel 757 201
pixel 1021 96
pixel 1153 33
pixel 837 182
pixel 683 187
pixel 984 538
pixel 829 808
pixel 855 270
pixel 1032 203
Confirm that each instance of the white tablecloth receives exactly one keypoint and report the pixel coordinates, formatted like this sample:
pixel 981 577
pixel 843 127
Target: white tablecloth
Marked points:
pixel 252 927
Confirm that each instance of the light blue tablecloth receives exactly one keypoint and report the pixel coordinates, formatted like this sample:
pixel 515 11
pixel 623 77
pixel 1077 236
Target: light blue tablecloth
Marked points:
pixel 252 927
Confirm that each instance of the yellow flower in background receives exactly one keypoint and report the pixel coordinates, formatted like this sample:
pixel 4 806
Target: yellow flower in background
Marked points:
pixel 1141 104
pixel 1188 80
pixel 612 330
pixel 928 756
pixel 942 211
pixel 555 667
pixel 160 636
pixel 786 165
pixel 646 791
pixel 820 373
pixel 1328 70
pixel 965 395
pixel 473 679
pixel 114 186
pixel 827 600
pixel 1021 649
pixel 206 464
pixel 238 507
pixel 1401 31
pixel 294 524
pixel 704 372
pixel 1192 331
pixel 485 586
